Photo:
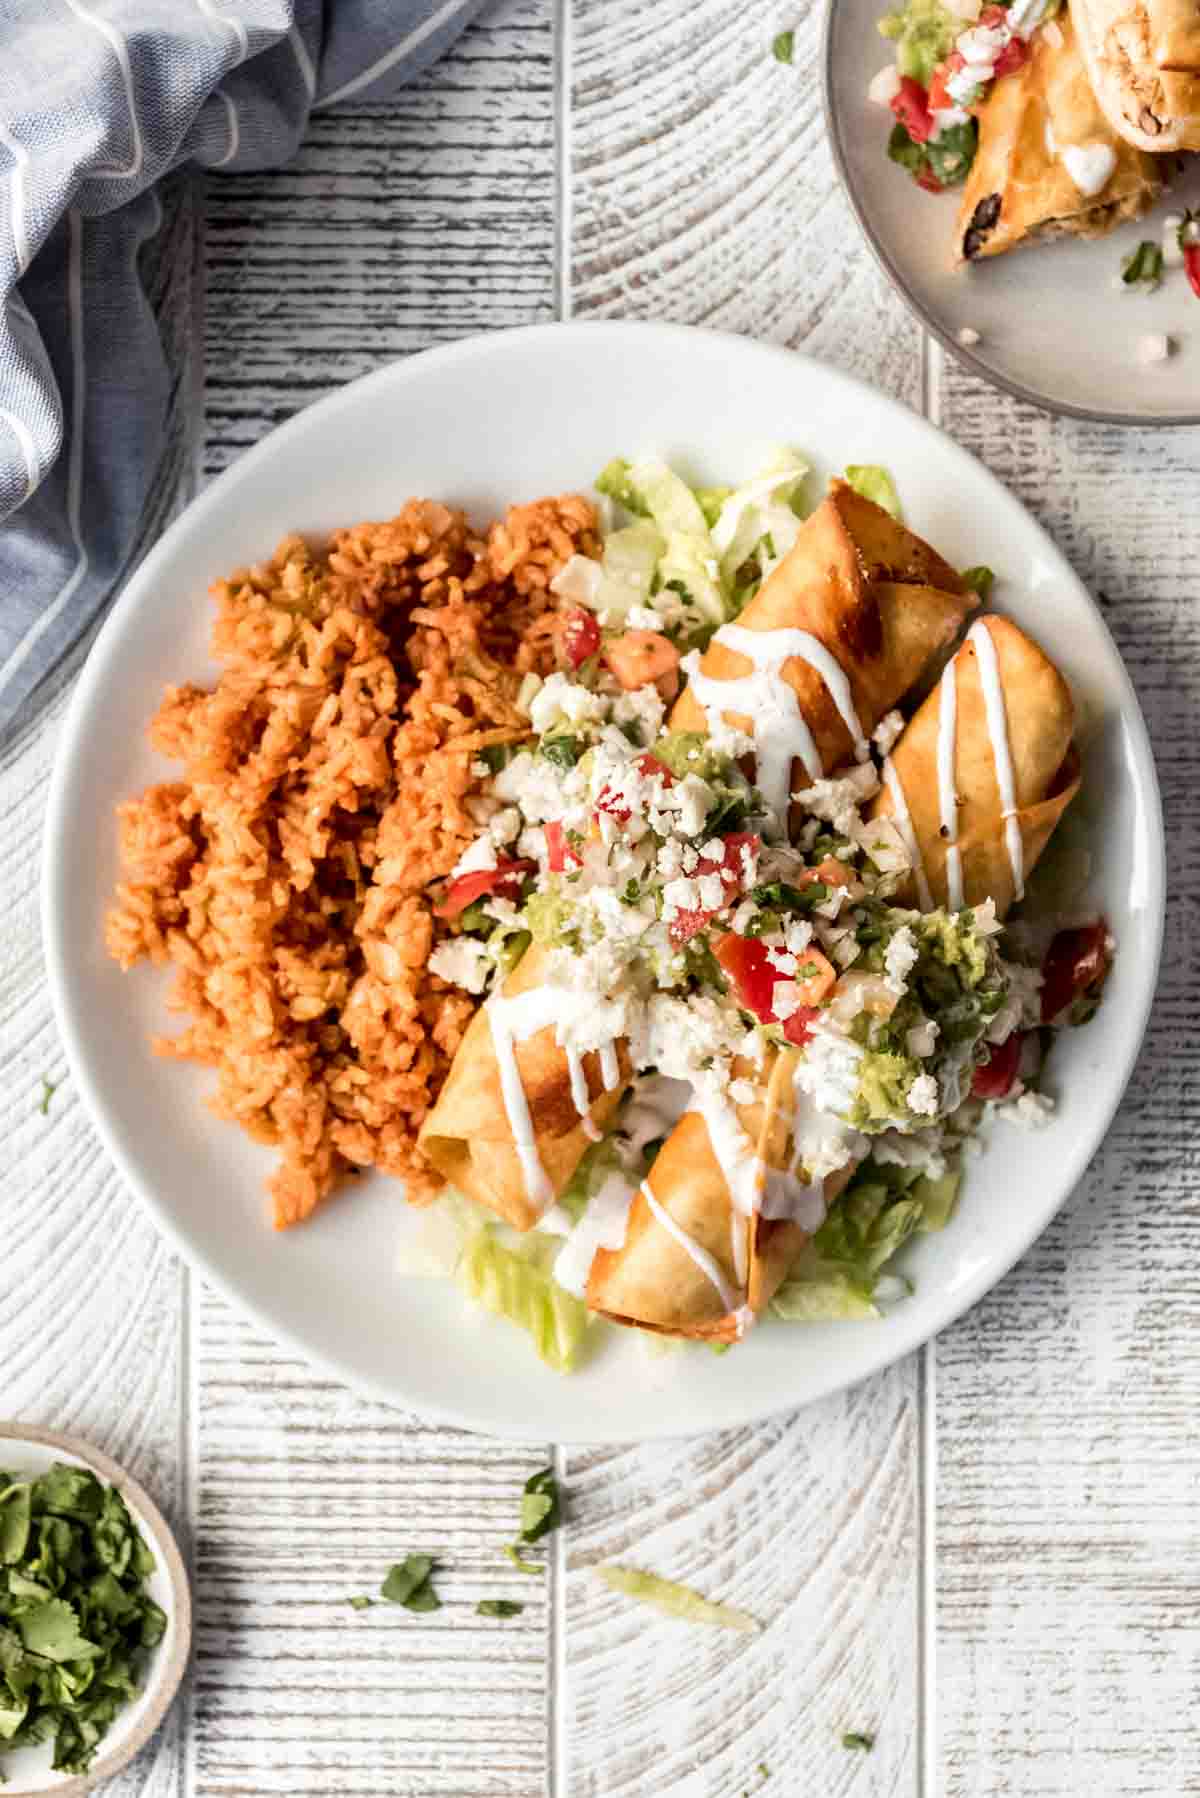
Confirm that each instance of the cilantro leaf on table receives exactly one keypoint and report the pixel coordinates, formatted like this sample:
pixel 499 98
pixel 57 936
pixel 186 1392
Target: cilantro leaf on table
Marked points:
pixel 410 1584
pixel 499 1607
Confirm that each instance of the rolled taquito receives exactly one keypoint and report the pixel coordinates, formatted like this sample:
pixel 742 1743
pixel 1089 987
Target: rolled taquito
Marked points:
pixel 836 635
pixel 1049 163
pixel 983 772
pixel 518 1111
pixel 702 1254
pixel 1143 61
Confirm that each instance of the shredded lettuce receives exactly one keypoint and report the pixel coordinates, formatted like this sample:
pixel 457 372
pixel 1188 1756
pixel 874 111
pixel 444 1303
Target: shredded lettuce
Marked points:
pixel 839 1274
pixel 759 522
pixel 517 1283
pixel 631 557
pixel 875 484
pixel 676 1600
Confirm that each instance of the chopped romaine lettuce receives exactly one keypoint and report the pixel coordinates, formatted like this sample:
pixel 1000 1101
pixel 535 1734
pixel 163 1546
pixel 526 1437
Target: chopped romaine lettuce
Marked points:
pixel 838 1274
pixel 759 522
pixel 676 1600
pixel 631 557
pixel 517 1283
pixel 876 484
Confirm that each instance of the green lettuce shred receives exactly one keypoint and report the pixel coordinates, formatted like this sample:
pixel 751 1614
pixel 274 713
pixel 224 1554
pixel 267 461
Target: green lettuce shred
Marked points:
pixel 518 1284
pixel 875 483
pixel 675 1600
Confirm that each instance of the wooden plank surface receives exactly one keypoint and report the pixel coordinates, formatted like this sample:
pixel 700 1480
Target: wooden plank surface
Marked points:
pixel 1068 1560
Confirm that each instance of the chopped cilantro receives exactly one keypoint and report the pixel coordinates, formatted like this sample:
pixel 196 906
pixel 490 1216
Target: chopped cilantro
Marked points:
pixel 1143 267
pixel 497 755
pixel 782 897
pixel 979 580
pixel 952 152
pixel 409 1583
pixel 360 1602
pixel 541 1510
pixel 855 1738
pixel 76 1625
pixel 564 752
pixel 49 1088
pixel 783 48
pixel 499 1607
pixel 631 892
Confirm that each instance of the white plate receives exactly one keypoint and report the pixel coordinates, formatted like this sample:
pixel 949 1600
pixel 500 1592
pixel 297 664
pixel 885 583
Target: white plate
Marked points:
pixel 1054 328
pixel 494 419
pixel 27 1770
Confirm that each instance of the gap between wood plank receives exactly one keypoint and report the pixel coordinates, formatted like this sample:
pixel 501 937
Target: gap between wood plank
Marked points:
pixel 563 218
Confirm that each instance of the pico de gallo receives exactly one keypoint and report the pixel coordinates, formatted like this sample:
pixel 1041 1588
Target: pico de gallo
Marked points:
pixel 949 53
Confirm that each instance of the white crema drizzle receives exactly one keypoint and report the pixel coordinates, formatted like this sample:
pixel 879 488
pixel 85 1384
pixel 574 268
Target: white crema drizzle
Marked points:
pixel 730 1299
pixel 514 1020
pixel 997 722
pixel 947 798
pixel 781 732
pixel 741 1166
pixel 904 824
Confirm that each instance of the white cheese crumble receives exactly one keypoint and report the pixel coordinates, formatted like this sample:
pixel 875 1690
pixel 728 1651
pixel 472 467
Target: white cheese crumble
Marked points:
pixel 480 857
pixel 969 337
pixel 1155 346
pixel 923 1096
pixel 561 700
pixel 578 580
pixel 463 961
pixel 887 732
pixel 837 800
pixel 884 86
pixel 900 958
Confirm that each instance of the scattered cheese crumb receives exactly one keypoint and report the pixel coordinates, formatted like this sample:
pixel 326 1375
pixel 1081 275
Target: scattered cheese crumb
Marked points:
pixel 1155 346
pixel 463 961
pixel 923 1096
pixel 887 731
pixel 969 337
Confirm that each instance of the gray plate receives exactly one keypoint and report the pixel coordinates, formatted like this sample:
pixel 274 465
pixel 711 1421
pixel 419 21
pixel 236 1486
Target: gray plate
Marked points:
pixel 1054 330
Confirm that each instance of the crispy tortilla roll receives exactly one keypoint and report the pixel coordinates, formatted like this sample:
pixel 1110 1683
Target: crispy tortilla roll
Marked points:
pixel 984 771
pixel 507 1129
pixel 1049 163
pixel 698 1259
pixel 1143 59
pixel 840 631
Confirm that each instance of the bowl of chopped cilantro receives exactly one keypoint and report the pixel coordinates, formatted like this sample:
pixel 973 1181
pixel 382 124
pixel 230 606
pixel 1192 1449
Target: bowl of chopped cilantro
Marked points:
pixel 95 1615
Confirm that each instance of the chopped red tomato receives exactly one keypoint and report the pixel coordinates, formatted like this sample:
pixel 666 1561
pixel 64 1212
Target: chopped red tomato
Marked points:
pixel 1076 967
pixel 1189 243
pixel 580 636
pixel 746 961
pixel 560 855
pixel 940 97
pixel 911 107
pixel 994 1077
pixel 991 16
pixel 615 806
pixel 643 658
pixel 505 879
pixel 1014 56
pixel 685 924
pixel 927 180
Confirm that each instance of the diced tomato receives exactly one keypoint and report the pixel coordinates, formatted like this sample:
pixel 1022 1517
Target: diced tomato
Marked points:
pixel 1076 966
pixel 580 636
pixel 1014 56
pixel 685 924
pixel 611 802
pixel 991 16
pixel 746 961
pixel 1191 266
pixel 927 180
pixel 505 879
pixel 940 96
pixel 994 1077
pixel 560 855
pixel 799 1027
pixel 830 872
pixel 641 659
pixel 911 107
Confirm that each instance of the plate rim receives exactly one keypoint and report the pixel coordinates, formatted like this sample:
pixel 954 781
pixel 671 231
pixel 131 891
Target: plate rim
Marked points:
pixel 162 1693
pixel 974 365
pixel 57 951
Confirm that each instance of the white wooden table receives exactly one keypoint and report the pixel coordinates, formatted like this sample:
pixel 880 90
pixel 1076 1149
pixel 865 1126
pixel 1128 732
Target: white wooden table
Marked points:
pixel 988 1557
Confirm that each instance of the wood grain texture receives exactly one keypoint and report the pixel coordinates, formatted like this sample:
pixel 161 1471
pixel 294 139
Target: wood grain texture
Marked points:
pixel 395 228
pixel 703 190
pixel 1069 1469
pixel 91 1299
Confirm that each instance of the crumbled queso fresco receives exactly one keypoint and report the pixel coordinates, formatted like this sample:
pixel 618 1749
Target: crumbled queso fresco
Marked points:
pixel 643 874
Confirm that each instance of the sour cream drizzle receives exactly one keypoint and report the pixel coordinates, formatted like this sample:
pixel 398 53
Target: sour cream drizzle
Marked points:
pixel 602 1226
pixel 514 1020
pixel 904 824
pixel 997 720
pixel 743 1170
pixel 781 732
pixel 947 798
pixel 730 1299
pixel 579 1093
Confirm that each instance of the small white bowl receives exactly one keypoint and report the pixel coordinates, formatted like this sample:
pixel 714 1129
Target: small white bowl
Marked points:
pixel 24 1449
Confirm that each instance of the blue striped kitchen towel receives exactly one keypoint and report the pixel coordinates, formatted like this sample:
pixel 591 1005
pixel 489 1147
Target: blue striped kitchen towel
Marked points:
pixel 99 99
